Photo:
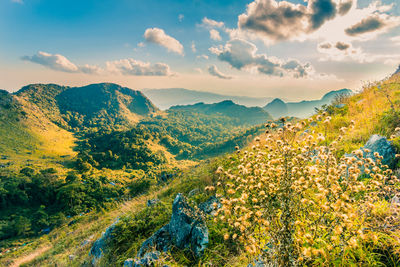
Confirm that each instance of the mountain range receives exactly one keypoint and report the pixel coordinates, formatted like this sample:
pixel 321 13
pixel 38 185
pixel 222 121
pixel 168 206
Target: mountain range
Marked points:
pixel 278 108
pixel 166 98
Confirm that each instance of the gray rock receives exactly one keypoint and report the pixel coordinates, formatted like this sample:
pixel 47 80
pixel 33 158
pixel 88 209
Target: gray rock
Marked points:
pixel 152 202
pixel 100 245
pixel 71 257
pixel 129 263
pixel 395 202
pixel 160 240
pixel 385 148
pixel 186 229
pixel 208 207
pixel 193 192
pixel 149 259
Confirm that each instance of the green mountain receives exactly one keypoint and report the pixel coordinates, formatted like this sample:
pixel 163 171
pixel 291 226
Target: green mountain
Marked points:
pixel 278 108
pixel 94 105
pixel 242 114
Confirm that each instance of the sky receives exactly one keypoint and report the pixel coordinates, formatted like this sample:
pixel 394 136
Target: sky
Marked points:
pixel 291 49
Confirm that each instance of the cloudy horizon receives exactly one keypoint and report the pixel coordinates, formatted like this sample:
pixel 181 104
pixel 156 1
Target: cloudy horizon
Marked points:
pixel 263 48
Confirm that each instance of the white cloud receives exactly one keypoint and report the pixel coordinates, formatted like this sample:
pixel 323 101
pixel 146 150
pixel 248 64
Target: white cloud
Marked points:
pixel 124 66
pixel 273 21
pixel 158 36
pixel 213 70
pixel 55 62
pixel 17 1
pixel 241 54
pixel 210 23
pixel 181 17
pixel 141 44
pixel 138 68
pixel 202 57
pixel 90 69
pixel 214 35
pixel 193 47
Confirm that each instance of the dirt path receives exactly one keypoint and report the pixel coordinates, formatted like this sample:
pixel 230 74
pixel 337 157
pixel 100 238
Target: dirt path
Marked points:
pixel 27 258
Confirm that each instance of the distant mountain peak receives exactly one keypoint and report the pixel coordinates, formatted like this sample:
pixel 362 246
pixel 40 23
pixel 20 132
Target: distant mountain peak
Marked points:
pixel 278 108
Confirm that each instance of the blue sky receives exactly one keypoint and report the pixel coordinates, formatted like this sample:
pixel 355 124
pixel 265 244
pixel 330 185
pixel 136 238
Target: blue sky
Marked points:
pixel 254 48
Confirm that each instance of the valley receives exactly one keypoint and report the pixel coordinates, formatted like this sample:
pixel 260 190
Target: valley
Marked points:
pixel 82 158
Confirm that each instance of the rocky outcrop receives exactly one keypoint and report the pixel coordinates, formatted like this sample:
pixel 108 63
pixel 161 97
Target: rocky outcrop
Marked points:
pixel 100 245
pixel 186 230
pixel 149 259
pixel 385 148
pixel 152 202
pixel 211 206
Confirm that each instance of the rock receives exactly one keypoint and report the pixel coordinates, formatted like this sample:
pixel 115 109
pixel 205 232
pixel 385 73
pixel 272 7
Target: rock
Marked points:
pixel 193 192
pixel 186 229
pixel 149 259
pixel 129 263
pixel 152 202
pixel 100 245
pixel 87 241
pixel 160 240
pixel 71 257
pixel 385 148
pixel 395 202
pixel 209 207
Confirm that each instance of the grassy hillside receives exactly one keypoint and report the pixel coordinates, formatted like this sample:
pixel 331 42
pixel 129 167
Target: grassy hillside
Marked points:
pixel 373 111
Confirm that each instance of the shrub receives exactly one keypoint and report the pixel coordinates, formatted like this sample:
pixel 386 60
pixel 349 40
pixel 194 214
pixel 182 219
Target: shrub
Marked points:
pixel 291 201
pixel 140 186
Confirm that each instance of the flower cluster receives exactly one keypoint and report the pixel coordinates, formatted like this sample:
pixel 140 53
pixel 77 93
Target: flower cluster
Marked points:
pixel 292 201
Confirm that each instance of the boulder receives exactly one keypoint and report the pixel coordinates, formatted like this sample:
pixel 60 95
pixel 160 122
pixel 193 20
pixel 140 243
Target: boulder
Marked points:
pixel 186 227
pixel 385 148
pixel 152 202
pixel 100 245
pixel 186 230
pixel 160 240
pixel 149 259
pixel 210 206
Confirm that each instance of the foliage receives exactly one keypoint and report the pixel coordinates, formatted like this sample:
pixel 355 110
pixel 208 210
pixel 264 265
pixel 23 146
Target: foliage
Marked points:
pixel 293 202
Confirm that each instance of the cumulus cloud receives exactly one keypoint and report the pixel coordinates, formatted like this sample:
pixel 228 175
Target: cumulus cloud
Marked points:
pixel 210 23
pixel 283 20
pixel 181 17
pixel 158 36
pixel 123 66
pixel 213 70
pixel 274 20
pixel 369 24
pixel 90 69
pixel 342 46
pixel 137 68
pixel 345 7
pixel 214 34
pixel 55 62
pixel 241 54
pixel 17 1
pixel 342 51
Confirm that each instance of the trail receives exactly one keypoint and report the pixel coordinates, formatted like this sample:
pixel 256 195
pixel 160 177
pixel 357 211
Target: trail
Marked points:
pixel 27 258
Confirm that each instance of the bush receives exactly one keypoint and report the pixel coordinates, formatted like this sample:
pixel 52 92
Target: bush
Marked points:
pixel 292 202
pixel 140 186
